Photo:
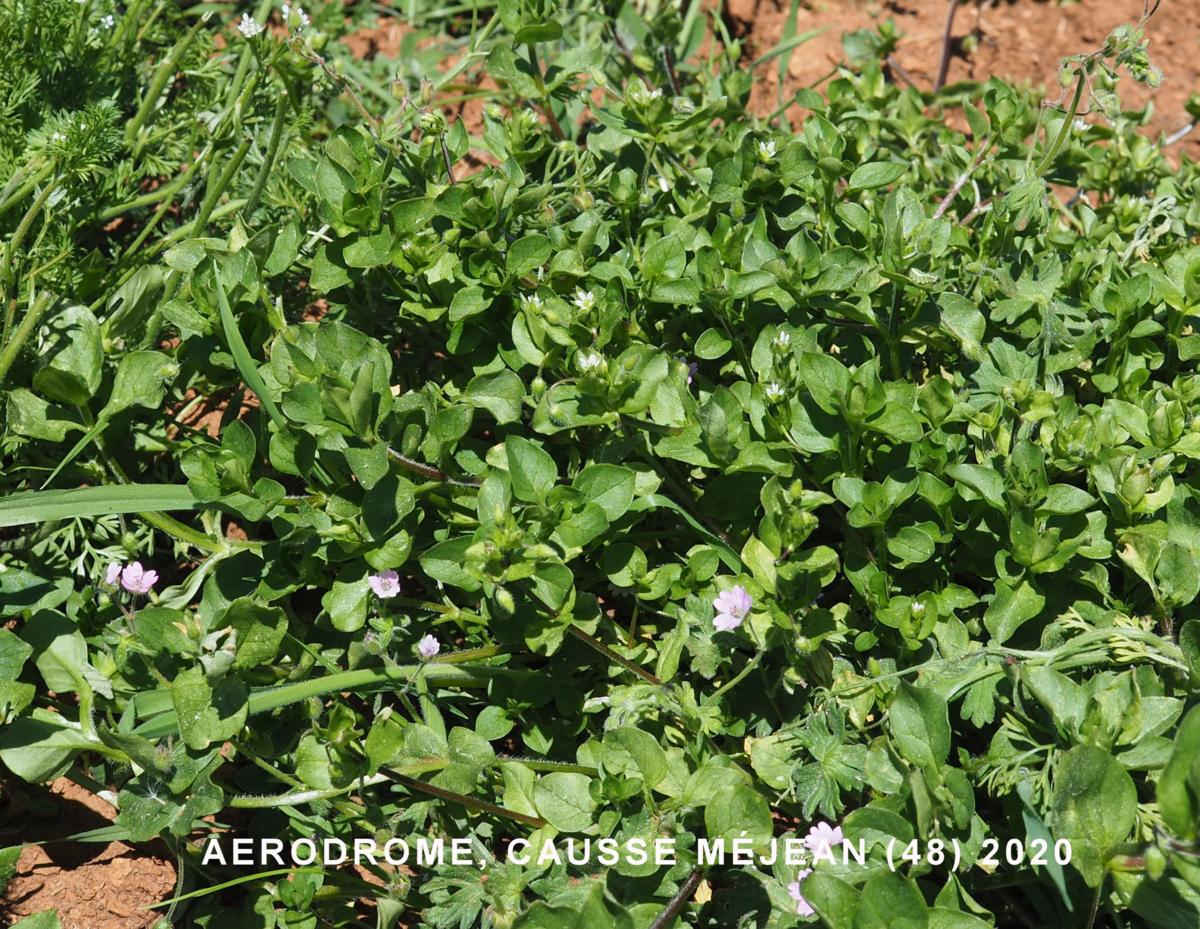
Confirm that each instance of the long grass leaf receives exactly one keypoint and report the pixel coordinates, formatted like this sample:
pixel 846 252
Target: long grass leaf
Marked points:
pixel 40 506
pixel 241 355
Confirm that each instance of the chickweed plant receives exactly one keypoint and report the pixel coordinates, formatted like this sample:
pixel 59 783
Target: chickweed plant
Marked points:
pixel 621 467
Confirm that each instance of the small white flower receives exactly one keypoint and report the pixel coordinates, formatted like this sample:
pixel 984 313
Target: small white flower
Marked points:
pixel 655 94
pixel 300 20
pixel 248 27
pixel 663 184
pixel 107 21
pixel 585 300
pixel 766 150
pixel 531 303
pixel 1081 125
pixel 58 137
pixel 775 392
pixel 428 646
pixel 590 362
pixel 782 339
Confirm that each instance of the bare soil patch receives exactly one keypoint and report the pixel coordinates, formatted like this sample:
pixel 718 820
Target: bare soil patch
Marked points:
pixel 1019 40
pixel 92 885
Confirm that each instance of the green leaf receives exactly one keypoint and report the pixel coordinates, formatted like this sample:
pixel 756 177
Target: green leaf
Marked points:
pixel 47 919
pixel 962 319
pixel 41 506
pixel 875 174
pixel 527 253
pixel 911 544
pixel 60 651
pixel 740 812
pixel 501 394
pixel 444 562
pixel 920 725
pixel 1178 575
pixel 833 899
pixel 241 354
pixel 1011 608
pixel 346 602
pixel 608 486
pixel 1178 788
pixel 890 901
pixel 468 302
pixel 1094 807
pixel 260 631
pixel 531 469
pixel 712 345
pixel 1189 644
pixel 73 356
pixel 208 714
pixel 39 747
pixel 564 800
pixel 984 481
pixel 139 381
pixel 1065 500
pixel 633 752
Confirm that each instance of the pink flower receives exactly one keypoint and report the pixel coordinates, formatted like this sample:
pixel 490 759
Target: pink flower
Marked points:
pixel 137 580
pixel 732 606
pixel 112 576
pixel 803 907
pixel 822 839
pixel 385 584
pixel 428 647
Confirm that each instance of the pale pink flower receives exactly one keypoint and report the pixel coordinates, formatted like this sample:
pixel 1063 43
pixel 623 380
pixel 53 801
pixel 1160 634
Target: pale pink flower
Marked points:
pixel 822 839
pixel 803 907
pixel 732 606
pixel 428 646
pixel 385 584
pixel 112 576
pixel 137 580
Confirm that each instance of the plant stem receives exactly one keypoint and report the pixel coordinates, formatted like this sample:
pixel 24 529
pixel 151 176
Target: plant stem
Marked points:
pixel 14 244
pixel 155 196
pixel 161 75
pixel 736 679
pixel 685 892
pixel 547 106
pixel 1068 121
pixel 9 197
pixel 437 674
pixel 24 331
pixel 471 803
pixel 608 653
pixel 947 35
pixel 272 150
pixel 216 186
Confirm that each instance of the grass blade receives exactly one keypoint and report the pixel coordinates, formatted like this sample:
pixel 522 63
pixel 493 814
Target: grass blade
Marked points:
pixel 784 47
pixel 241 355
pixel 40 506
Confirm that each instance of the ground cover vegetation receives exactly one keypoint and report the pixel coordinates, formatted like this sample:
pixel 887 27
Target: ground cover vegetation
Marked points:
pixel 635 468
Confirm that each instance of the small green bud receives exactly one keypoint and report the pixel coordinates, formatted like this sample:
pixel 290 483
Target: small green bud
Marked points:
pixel 1135 487
pixel 1156 862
